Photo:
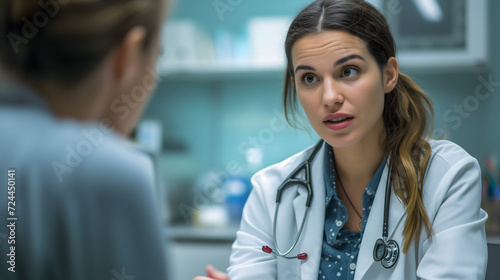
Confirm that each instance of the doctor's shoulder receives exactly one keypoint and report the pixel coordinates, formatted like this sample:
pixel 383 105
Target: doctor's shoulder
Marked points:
pixel 446 155
pixel 451 169
pixel 452 198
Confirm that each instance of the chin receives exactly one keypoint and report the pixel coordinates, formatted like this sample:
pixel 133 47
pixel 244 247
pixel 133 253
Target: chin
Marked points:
pixel 341 140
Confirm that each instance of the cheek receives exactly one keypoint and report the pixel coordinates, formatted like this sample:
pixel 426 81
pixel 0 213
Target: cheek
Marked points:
pixel 307 101
pixel 373 98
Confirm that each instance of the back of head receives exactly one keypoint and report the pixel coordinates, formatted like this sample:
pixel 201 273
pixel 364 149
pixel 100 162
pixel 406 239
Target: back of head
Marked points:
pixel 66 39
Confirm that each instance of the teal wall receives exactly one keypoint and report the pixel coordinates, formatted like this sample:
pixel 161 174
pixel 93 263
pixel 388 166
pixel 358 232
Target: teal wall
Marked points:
pixel 211 119
pixel 235 16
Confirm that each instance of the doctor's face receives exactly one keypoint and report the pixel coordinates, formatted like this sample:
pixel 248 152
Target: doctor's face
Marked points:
pixel 340 86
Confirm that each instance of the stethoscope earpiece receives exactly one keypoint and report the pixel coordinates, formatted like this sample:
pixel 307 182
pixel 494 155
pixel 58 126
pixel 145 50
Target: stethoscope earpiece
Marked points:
pixel 301 256
pixel 386 252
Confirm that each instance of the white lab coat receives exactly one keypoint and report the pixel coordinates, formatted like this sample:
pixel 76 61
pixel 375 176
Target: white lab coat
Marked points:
pixel 452 197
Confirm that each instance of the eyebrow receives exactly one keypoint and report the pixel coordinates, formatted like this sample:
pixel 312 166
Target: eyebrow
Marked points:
pixel 347 58
pixel 304 67
pixel 337 63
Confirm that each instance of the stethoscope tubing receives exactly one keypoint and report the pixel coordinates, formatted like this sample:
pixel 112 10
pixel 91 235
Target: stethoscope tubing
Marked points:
pixel 278 251
pixel 391 248
pixel 387 203
pixel 306 183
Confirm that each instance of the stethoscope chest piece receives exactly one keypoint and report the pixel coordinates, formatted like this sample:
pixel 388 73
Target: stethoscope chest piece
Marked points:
pixel 386 252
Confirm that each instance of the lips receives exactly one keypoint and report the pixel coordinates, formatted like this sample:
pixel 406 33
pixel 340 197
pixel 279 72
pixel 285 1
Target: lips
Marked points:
pixel 338 121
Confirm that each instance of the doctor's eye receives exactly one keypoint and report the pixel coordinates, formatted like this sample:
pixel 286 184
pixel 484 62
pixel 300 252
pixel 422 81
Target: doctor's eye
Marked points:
pixel 350 72
pixel 309 79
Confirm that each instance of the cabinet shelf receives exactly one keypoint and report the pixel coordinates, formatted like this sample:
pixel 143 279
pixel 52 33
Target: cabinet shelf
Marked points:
pixel 222 73
pixel 197 234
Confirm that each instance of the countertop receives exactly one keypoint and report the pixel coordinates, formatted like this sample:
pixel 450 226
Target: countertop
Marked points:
pixel 228 234
pixel 187 233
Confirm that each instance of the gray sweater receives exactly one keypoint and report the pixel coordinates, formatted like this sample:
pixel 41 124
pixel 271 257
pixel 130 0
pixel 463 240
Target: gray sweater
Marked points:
pixel 82 200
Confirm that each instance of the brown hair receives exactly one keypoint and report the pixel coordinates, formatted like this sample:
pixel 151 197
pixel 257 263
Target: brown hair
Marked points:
pixel 67 39
pixel 407 110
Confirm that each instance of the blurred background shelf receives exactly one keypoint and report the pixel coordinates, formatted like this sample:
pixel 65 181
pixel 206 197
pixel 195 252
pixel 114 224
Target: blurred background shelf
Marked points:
pixel 222 73
pixel 493 238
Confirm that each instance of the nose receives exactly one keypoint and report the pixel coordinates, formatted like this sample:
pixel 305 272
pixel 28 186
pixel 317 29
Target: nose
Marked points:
pixel 332 94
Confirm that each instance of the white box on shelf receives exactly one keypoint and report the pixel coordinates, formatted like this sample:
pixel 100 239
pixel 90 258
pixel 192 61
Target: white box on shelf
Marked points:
pixel 205 50
pixel 179 44
pixel 223 47
pixel 185 46
pixel 267 40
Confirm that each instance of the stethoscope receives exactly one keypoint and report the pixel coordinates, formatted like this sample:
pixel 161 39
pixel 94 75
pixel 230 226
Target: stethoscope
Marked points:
pixel 385 251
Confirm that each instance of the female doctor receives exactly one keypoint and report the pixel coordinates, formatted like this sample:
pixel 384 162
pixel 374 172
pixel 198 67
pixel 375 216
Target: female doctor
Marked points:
pixel 385 201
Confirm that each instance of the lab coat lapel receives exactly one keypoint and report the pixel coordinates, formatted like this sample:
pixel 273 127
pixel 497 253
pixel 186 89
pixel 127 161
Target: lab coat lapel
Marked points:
pixel 373 230
pixel 312 236
pixel 299 206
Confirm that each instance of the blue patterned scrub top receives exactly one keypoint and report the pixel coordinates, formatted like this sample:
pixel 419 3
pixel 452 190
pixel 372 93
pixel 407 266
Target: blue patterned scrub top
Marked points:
pixel 341 246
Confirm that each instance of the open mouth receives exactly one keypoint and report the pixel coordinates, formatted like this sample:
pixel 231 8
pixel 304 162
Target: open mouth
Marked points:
pixel 338 122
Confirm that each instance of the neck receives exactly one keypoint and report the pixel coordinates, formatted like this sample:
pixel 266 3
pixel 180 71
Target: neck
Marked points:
pixel 85 101
pixel 357 164
pixel 71 103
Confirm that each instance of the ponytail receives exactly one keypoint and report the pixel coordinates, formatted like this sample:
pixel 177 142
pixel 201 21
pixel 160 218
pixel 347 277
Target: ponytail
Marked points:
pixel 406 114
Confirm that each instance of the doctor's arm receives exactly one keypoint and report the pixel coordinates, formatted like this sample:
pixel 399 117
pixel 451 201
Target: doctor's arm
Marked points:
pixel 248 261
pixel 458 248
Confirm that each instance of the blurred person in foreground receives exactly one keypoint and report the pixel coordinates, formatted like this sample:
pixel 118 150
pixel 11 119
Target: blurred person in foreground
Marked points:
pixel 76 76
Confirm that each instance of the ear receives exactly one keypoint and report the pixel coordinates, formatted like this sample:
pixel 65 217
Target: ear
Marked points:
pixel 127 53
pixel 292 80
pixel 391 74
